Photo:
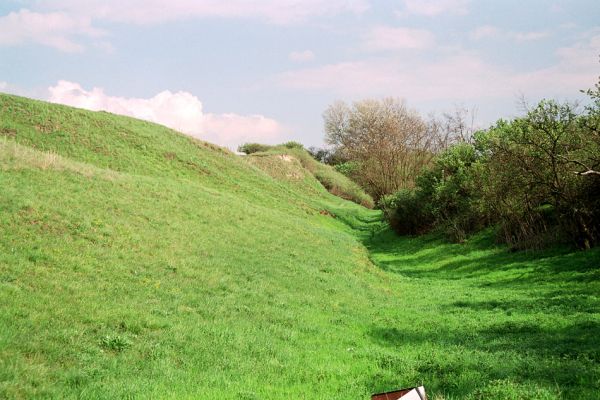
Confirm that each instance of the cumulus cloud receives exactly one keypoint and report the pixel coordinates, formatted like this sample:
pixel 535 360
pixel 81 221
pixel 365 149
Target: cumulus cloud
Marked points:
pixel 390 38
pixel 432 8
pixel 458 76
pixel 301 56
pixel 54 29
pixel 181 111
pixel 229 129
pixel 156 11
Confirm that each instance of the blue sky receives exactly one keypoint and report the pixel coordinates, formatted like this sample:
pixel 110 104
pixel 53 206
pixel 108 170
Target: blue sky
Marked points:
pixel 252 70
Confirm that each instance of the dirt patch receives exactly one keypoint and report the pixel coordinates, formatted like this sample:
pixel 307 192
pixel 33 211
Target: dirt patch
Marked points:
pixel 8 132
pixel 169 155
pixel 325 212
pixel 286 158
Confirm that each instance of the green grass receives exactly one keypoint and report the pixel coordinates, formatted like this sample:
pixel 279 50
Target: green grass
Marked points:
pixel 280 162
pixel 482 323
pixel 136 262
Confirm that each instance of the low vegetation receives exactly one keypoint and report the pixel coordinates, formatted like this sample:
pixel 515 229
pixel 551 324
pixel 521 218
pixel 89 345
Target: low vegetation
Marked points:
pixel 251 148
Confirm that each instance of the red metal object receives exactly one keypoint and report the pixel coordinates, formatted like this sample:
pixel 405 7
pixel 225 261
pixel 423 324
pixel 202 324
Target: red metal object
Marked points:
pixel 393 395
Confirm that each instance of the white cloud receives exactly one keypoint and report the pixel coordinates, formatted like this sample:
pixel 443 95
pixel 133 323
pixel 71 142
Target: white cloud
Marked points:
pixel 389 38
pixel 484 31
pixel 432 8
pixel 54 29
pixel 459 76
pixel 492 32
pixel 529 36
pixel 578 57
pixel 181 111
pixel 358 77
pixel 557 8
pixel 156 11
pixel 3 85
pixel 231 129
pixel 301 56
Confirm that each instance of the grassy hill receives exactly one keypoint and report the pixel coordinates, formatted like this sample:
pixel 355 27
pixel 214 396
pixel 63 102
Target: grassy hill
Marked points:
pixel 136 262
pixel 298 166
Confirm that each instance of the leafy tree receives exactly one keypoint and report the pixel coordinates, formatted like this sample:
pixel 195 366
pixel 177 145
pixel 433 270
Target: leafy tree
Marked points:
pixel 541 174
pixel 388 141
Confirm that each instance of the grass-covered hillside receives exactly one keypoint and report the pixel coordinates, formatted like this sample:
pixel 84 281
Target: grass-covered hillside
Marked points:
pixel 297 165
pixel 136 262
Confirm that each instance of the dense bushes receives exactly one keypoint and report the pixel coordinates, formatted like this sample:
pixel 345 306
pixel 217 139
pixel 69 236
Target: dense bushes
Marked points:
pixel 251 148
pixel 450 191
pixel 293 145
pixel 446 196
pixel 536 178
pixel 405 213
pixel 536 185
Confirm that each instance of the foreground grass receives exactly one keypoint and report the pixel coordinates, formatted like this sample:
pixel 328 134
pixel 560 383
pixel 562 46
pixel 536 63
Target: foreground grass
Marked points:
pixel 151 288
pixel 139 263
pixel 475 321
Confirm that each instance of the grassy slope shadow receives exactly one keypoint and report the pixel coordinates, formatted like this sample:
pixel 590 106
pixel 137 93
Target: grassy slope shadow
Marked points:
pixel 486 323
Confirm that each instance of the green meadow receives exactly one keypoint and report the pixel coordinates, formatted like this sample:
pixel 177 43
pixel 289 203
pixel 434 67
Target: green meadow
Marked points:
pixel 139 263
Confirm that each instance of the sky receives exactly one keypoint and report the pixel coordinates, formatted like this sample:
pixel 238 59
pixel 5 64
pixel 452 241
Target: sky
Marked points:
pixel 264 71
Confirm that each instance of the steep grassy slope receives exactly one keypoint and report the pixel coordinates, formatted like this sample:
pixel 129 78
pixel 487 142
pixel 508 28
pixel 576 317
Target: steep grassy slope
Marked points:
pixel 282 163
pixel 139 263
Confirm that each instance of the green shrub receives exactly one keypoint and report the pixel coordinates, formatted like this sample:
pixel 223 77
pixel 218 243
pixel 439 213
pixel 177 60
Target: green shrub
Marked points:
pixel 115 343
pixel 292 145
pixel 405 212
pixel 446 197
pixel 347 168
pixel 250 148
pixel 450 191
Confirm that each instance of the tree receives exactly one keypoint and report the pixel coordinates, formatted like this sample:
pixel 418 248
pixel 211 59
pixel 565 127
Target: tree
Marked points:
pixel 326 156
pixel 457 126
pixel 389 142
pixel 542 169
